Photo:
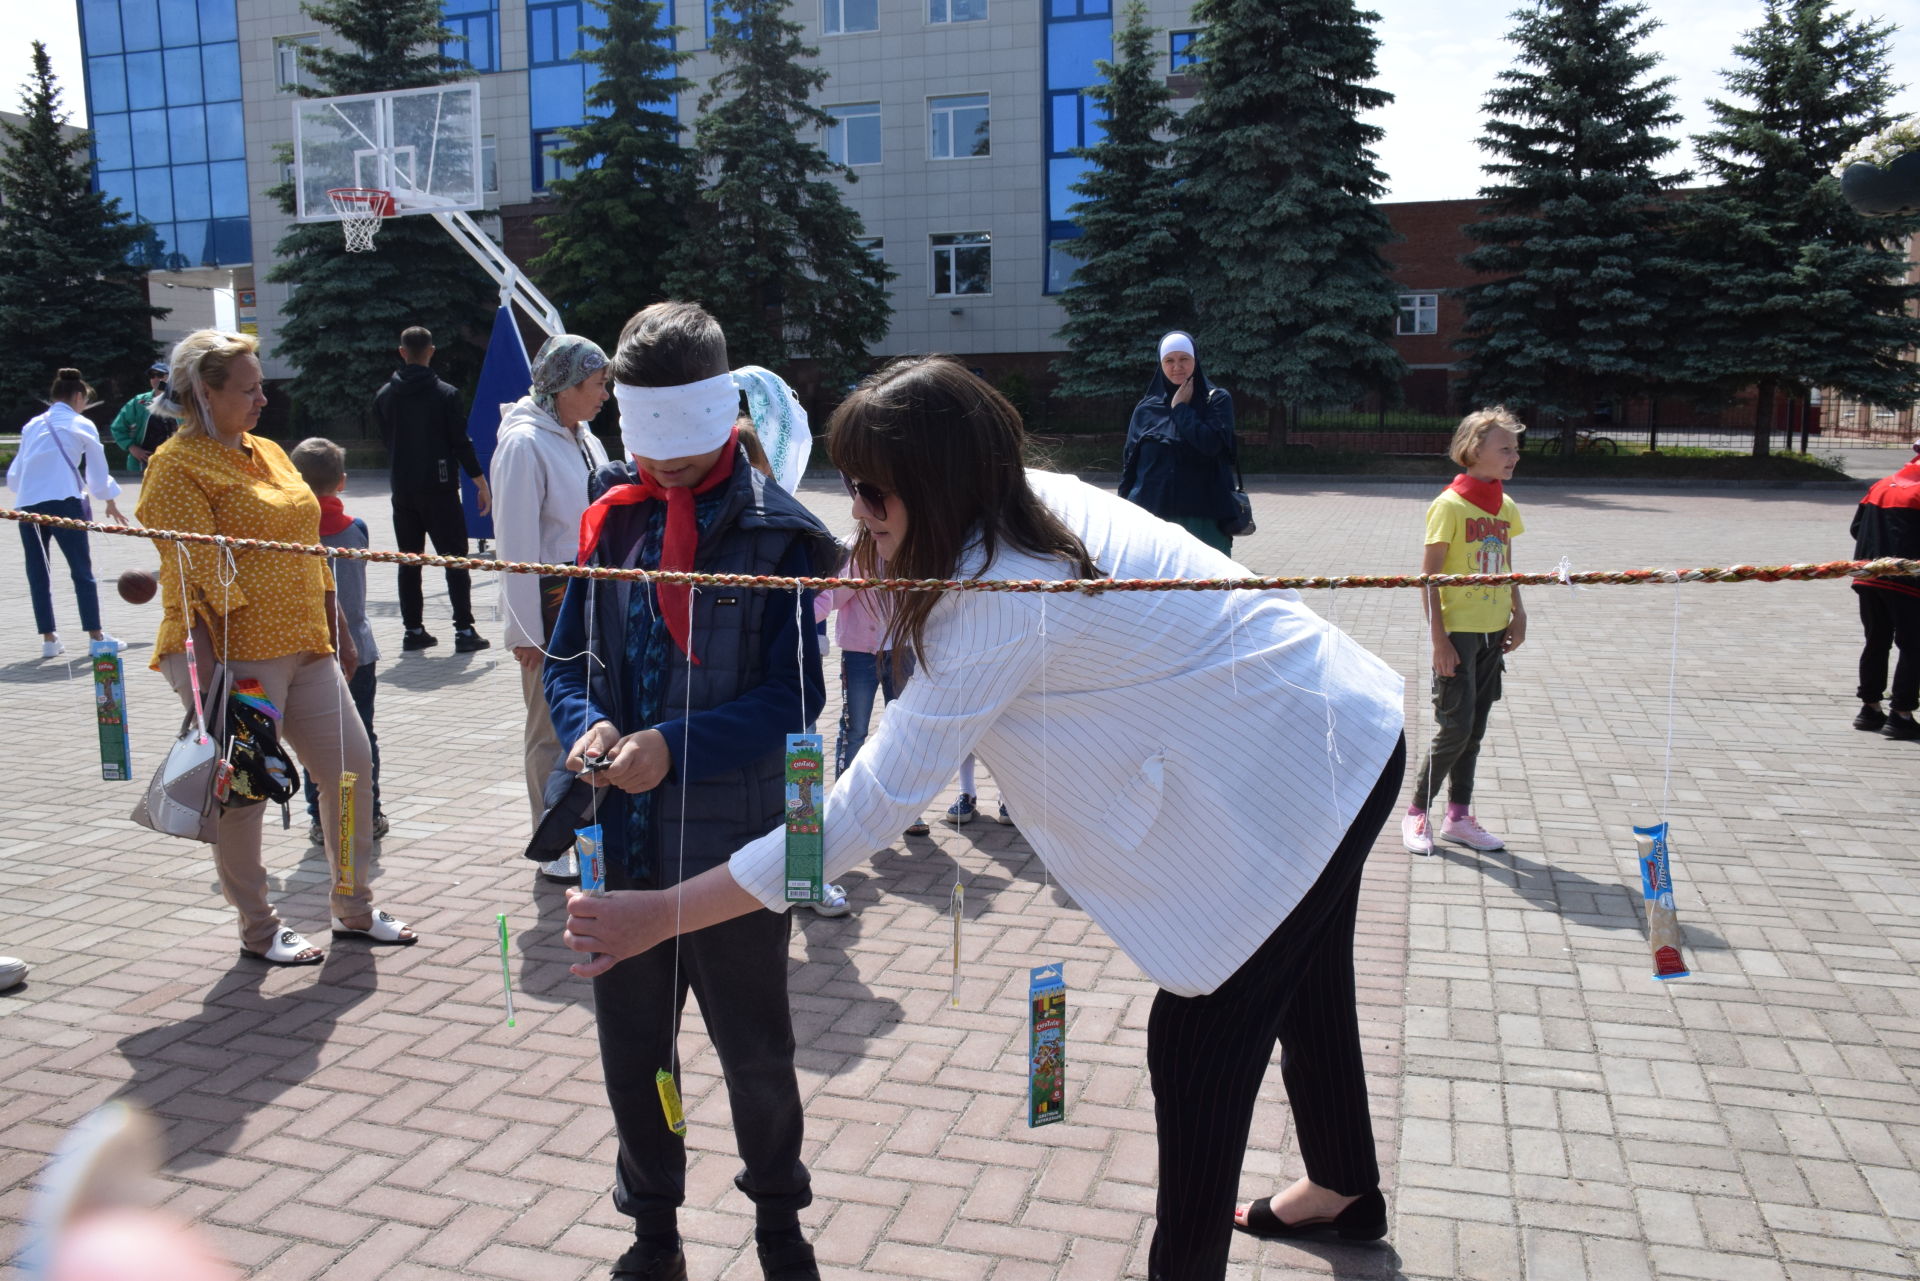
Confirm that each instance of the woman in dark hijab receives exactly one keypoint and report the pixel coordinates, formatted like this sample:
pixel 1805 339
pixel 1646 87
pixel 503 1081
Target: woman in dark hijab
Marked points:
pixel 1180 447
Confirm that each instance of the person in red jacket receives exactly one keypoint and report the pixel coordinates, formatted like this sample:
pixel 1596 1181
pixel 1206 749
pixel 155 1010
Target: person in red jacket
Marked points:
pixel 1887 523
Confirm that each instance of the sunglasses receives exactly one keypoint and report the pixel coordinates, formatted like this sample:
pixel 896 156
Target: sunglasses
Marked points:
pixel 872 495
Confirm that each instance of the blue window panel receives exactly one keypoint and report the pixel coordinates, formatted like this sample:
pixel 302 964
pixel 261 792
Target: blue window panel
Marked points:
pixel 1065 123
pixel 189 242
pixel 1079 8
pixel 191 197
pixel 146 81
pixel 179 22
pixel 183 75
pixel 1061 175
pixel 1072 48
pixel 112 141
pixel 556 96
pixel 149 137
pixel 220 71
pixel 479 48
pixel 107 83
pixel 100 19
pixel 1180 43
pixel 554 32
pixel 187 134
pixel 140 24
pixel 118 184
pixel 218 20
pixel 153 192
pixel 725 10
pixel 226 132
pixel 232 241
pixel 539 36
pixel 228 181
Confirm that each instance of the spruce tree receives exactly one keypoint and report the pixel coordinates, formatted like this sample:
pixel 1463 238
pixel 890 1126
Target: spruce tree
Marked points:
pixel 1575 235
pixel 1130 287
pixel 774 252
pixel 342 323
pixel 622 214
pixel 69 294
pixel 1791 289
pixel 1291 297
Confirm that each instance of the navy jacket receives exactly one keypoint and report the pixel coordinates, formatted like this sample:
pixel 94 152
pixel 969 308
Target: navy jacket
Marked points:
pixel 758 679
pixel 1179 458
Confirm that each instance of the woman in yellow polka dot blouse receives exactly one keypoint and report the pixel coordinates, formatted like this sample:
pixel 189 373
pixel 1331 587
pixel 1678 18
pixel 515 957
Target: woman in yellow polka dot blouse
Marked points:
pixel 267 615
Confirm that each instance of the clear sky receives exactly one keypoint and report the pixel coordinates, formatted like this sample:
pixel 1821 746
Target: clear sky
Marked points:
pixel 1438 57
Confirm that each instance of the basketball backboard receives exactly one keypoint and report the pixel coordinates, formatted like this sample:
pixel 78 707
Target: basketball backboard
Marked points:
pixel 422 145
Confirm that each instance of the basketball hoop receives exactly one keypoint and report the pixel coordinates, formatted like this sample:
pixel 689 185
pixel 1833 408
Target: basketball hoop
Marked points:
pixel 360 210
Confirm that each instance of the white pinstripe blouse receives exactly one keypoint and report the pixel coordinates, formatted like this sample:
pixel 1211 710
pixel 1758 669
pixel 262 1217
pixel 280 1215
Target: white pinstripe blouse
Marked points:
pixel 1185 762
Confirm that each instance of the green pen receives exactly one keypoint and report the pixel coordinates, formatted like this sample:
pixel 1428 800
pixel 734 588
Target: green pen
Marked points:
pixel 506 973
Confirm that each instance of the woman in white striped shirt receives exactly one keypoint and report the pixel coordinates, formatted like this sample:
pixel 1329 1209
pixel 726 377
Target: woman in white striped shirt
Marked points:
pixel 1204 771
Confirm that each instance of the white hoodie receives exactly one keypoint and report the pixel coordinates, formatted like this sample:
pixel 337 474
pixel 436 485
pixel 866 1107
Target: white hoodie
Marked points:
pixel 539 477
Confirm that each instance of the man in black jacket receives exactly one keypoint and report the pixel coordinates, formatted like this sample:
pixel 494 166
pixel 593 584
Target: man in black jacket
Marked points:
pixel 425 432
pixel 1887 523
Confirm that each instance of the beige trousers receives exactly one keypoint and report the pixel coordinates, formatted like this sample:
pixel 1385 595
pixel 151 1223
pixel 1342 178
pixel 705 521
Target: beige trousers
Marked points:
pixel 318 721
pixel 540 745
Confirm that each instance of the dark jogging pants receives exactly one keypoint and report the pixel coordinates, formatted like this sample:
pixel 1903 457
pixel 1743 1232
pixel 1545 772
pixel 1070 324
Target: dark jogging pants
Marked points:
pixel 1208 1054
pixel 438 516
pixel 1890 619
pixel 737 970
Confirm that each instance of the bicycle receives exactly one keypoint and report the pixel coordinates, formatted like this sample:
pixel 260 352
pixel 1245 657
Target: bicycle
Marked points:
pixel 1586 441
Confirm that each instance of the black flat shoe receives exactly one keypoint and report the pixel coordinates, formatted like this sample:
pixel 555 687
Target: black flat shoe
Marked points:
pixel 1870 718
pixel 644 1262
pixel 788 1259
pixel 1364 1220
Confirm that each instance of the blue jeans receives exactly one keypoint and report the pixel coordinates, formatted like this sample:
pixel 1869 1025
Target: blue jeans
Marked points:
pixel 361 687
pixel 73 545
pixel 862 675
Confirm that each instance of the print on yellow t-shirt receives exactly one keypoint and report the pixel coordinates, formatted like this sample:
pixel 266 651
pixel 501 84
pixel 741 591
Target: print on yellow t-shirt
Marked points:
pixel 1477 543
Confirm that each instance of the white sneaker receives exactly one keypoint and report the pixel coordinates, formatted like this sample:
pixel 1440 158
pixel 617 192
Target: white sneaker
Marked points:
pixel 107 638
pixel 564 868
pixel 13 972
pixel 1467 831
pixel 1415 835
pixel 52 648
pixel 833 901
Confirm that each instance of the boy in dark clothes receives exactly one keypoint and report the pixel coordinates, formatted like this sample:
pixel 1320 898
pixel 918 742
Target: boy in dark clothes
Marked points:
pixel 689 699
pixel 1887 523
pixel 425 432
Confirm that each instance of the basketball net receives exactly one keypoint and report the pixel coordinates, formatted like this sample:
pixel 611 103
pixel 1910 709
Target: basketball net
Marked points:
pixel 360 210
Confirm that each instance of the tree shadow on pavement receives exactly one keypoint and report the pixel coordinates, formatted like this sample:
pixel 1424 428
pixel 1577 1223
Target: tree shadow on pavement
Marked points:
pixel 1574 898
pixel 207 1076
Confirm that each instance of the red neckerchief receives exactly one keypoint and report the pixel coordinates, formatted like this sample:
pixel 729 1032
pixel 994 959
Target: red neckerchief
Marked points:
pixel 1484 494
pixel 333 515
pixel 682 539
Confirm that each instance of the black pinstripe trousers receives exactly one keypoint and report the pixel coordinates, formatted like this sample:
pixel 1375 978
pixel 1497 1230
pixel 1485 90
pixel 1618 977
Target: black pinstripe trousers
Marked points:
pixel 1208 1054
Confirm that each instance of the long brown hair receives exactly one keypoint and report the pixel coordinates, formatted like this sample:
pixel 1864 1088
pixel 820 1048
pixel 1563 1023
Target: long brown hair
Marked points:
pixel 952 449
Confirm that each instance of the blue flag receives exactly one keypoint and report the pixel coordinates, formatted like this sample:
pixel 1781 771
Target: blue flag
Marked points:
pixel 505 376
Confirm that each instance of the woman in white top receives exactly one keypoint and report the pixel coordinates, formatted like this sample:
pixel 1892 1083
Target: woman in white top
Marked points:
pixel 1204 771
pixel 60 461
pixel 542 462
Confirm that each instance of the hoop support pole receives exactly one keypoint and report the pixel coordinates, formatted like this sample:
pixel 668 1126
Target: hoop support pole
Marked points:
pixel 514 286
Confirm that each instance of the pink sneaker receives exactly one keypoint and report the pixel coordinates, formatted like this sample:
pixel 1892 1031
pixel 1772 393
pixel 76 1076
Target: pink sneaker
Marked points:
pixel 1415 835
pixel 1467 831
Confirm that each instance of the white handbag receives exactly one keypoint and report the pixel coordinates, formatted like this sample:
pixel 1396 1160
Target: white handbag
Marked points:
pixel 179 801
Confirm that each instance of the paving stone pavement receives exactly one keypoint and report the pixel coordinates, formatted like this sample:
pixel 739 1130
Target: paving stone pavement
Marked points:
pixel 1544 1108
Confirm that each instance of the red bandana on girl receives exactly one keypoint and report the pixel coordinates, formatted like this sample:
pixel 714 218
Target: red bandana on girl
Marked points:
pixel 682 537
pixel 333 515
pixel 1484 494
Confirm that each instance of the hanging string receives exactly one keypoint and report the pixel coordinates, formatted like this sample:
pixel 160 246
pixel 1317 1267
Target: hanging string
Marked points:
pixel 680 885
pixel 1046 743
pixel 506 606
pixel 1673 677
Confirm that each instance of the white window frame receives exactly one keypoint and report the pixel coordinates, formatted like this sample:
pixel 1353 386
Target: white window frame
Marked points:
pixel 286 51
pixel 1419 314
pixel 830 10
pixel 950 112
pixel 839 127
pixel 940 12
pixel 951 250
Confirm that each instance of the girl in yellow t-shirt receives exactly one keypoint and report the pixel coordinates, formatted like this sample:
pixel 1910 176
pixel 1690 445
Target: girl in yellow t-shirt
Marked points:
pixel 1470 530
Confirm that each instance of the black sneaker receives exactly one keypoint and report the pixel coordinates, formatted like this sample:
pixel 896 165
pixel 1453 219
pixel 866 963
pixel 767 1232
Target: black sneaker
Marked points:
pixel 466 640
pixel 648 1262
pixel 418 638
pixel 1870 718
pixel 380 826
pixel 1904 728
pixel 787 1259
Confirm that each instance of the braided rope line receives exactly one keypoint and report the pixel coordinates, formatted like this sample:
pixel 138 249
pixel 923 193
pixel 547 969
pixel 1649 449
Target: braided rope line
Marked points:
pixel 1886 566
